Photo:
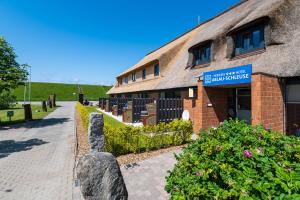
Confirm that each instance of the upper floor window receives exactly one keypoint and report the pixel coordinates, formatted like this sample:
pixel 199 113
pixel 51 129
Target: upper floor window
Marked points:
pixel 249 40
pixel 144 74
pixel 133 77
pixel 125 80
pixel 156 70
pixel 202 54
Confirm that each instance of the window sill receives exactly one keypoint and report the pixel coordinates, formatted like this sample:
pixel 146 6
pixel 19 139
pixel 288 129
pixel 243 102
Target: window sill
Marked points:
pixel 248 54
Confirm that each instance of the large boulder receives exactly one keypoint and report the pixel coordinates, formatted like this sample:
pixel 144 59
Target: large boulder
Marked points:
pixel 95 133
pixel 100 177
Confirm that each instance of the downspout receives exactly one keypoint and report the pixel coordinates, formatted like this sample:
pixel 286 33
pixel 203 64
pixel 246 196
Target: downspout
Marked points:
pixel 283 85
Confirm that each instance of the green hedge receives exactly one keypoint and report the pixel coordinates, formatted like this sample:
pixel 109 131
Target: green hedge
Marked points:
pixel 129 139
pixel 238 161
pixel 84 114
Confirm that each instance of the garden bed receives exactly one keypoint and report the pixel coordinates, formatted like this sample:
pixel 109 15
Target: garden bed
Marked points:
pixel 136 157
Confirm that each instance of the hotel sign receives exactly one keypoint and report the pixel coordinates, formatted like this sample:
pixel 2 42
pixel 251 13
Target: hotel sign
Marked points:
pixel 235 75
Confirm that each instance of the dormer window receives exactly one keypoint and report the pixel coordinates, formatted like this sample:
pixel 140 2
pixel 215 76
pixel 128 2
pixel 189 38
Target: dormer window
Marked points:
pixel 133 77
pixel 125 80
pixel 249 39
pixel 144 74
pixel 156 70
pixel 202 54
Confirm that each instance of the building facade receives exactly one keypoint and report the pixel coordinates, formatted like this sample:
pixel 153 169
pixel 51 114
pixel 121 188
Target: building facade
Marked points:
pixel 243 63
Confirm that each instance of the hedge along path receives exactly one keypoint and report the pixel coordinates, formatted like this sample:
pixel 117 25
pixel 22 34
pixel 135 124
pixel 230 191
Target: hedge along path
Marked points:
pixel 128 139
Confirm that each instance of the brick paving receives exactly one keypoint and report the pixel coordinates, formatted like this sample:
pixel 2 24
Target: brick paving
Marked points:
pixel 37 158
pixel 145 180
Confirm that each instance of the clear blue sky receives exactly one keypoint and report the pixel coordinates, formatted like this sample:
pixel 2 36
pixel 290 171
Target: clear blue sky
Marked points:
pixel 91 41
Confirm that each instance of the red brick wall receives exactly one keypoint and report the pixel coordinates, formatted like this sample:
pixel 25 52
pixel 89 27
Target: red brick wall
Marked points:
pixel 218 112
pixel 267 102
pixel 202 115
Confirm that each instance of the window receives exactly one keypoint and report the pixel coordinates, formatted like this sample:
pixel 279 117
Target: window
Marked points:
pixel 202 54
pixel 249 40
pixel 125 80
pixel 156 70
pixel 292 90
pixel 133 77
pixel 144 74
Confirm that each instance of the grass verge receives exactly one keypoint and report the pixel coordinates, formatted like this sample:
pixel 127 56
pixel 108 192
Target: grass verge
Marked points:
pixel 107 119
pixel 37 114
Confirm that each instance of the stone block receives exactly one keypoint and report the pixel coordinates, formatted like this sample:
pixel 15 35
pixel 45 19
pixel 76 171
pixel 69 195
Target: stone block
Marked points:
pixel 101 178
pixel 95 133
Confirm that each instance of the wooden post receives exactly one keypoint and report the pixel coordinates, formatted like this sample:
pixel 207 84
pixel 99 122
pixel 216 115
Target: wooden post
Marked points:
pixel 49 103
pixel 80 98
pixel 27 112
pixel 44 106
pixel 54 100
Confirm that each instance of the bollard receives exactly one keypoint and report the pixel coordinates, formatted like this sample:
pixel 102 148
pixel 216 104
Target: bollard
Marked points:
pixel 54 100
pixel 49 103
pixel 44 106
pixel 80 98
pixel 27 112
pixel 95 133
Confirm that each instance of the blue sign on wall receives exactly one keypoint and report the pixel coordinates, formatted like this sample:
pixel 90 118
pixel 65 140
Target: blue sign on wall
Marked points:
pixel 235 75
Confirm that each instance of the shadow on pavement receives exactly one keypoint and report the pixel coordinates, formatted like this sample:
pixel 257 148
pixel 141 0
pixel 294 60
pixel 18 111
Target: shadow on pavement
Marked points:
pixel 36 123
pixel 8 147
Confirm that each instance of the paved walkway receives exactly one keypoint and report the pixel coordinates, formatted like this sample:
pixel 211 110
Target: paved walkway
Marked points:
pixel 36 159
pixel 146 180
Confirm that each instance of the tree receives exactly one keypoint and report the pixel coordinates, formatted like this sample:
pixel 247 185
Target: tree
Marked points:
pixel 12 74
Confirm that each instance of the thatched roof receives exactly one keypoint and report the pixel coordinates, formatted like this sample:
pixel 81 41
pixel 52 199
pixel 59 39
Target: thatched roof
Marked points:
pixel 281 58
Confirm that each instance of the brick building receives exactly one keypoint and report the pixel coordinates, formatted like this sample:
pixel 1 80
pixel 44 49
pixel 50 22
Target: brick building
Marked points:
pixel 243 63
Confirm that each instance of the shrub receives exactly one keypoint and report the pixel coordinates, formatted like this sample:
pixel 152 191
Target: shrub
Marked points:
pixel 237 161
pixel 129 139
pixel 84 114
pixel 7 100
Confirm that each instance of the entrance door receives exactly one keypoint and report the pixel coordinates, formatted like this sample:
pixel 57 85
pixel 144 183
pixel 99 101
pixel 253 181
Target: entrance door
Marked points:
pixel 243 104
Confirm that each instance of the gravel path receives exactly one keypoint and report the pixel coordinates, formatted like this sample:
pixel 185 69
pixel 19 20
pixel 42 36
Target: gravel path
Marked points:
pixel 37 158
pixel 146 179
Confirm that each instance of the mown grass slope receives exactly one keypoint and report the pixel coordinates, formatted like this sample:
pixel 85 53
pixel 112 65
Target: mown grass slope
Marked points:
pixel 64 92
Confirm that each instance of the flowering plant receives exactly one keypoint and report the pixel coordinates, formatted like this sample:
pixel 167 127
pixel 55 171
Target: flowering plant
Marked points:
pixel 237 161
